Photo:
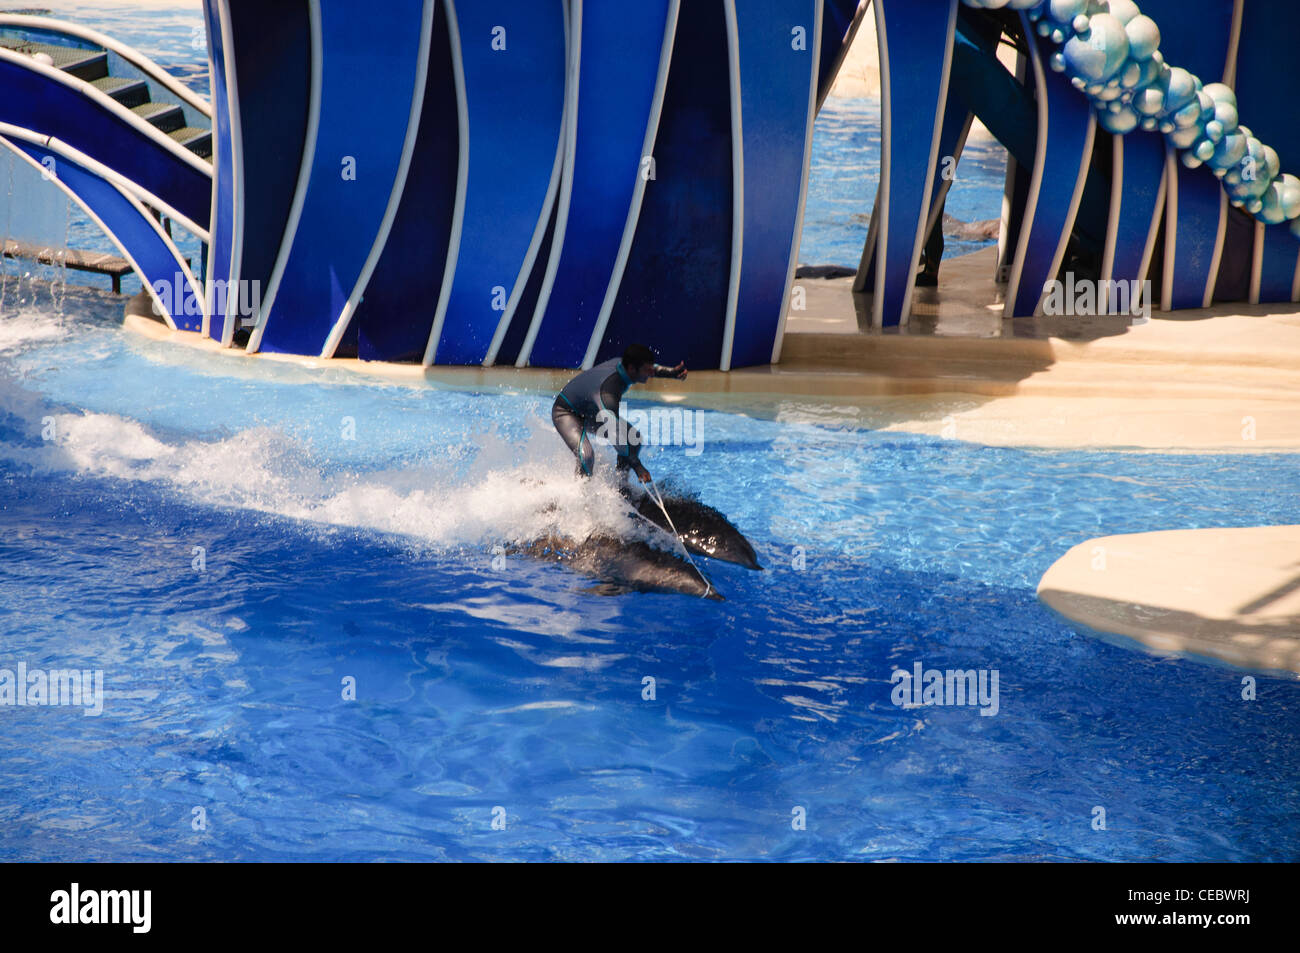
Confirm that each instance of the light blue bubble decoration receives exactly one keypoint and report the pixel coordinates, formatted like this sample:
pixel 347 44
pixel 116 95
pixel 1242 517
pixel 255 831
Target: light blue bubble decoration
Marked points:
pixel 1111 53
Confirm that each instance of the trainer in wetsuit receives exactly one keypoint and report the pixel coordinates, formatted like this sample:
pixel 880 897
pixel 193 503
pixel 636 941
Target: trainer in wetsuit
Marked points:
pixel 590 402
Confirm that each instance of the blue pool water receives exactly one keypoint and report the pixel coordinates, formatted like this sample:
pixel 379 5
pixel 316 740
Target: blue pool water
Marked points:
pixel 513 688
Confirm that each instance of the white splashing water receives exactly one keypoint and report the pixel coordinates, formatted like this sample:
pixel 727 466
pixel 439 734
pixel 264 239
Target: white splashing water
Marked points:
pixel 512 492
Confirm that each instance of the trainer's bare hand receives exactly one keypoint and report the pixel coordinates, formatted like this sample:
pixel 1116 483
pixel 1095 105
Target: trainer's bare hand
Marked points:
pixel 679 371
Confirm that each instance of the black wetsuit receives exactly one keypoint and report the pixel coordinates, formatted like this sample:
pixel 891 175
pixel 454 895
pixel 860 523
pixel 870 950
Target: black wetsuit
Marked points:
pixel 591 402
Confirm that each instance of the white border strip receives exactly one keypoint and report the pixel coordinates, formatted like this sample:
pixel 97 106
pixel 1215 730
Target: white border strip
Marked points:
pixel 462 179
pixel 1116 206
pixel 182 268
pixel 638 190
pixel 237 178
pixel 543 220
pixel 210 265
pixel 1171 229
pixel 1257 262
pixel 1036 185
pixel 797 237
pixel 399 183
pixel 304 179
pixel 572 73
pixel 130 54
pixel 737 184
pixel 111 105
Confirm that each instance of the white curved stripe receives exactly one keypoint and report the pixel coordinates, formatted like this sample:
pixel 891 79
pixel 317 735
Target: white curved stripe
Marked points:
pixel 566 182
pixel 1257 262
pixel 112 105
pixel 462 179
pixel 183 268
pixel 104 172
pixel 128 53
pixel 1116 206
pixel 737 185
pixel 1036 184
pixel 1234 42
pixel 210 264
pixel 304 179
pixel 1171 230
pixel 638 190
pixel 868 247
pixel 803 179
pixel 1153 230
pixel 399 183
pixel 237 178
pixel 878 302
pixel 882 192
pixel 539 232
pixel 858 15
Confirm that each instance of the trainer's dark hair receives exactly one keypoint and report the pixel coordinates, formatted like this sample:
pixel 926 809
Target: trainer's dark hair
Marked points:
pixel 636 355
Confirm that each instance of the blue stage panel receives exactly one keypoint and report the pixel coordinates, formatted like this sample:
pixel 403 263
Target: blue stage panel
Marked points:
pixel 1139 174
pixel 617 53
pixel 43 105
pixel 1066 133
pixel 273 68
pixel 916 41
pixel 1194 210
pixel 673 296
pixel 227 226
pixel 514 99
pixel 1267 94
pixel 132 231
pixel 369 66
pixel 777 85
pixel 393 320
pixel 952 142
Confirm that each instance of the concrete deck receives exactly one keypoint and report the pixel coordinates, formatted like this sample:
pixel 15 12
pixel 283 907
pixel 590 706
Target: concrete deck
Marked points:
pixel 1227 594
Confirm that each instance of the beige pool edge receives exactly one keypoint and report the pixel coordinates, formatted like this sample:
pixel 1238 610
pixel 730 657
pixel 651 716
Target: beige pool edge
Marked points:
pixel 1232 595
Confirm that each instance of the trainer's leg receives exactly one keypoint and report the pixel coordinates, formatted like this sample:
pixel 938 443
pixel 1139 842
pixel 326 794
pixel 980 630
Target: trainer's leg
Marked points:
pixel 574 434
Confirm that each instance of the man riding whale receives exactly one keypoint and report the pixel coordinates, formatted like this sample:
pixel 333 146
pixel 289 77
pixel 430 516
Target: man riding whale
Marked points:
pixel 591 403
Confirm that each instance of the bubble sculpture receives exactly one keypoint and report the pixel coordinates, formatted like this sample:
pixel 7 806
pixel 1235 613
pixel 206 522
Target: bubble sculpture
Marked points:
pixel 1111 53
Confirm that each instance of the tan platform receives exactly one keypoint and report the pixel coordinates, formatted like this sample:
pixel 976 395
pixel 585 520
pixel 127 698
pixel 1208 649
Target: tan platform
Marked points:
pixel 1228 594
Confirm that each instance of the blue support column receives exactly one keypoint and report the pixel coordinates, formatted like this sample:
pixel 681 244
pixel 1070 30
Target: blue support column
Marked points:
pixel 1067 130
pixel 916 42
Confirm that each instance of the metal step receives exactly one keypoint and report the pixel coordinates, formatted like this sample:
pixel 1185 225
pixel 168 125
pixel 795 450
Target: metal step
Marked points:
pixel 198 141
pixel 129 92
pixel 164 116
pixel 83 64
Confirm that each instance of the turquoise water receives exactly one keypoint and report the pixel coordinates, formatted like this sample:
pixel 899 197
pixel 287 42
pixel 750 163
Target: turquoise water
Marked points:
pixel 514 688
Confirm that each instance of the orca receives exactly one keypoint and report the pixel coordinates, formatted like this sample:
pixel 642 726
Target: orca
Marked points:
pixel 622 565
pixel 703 529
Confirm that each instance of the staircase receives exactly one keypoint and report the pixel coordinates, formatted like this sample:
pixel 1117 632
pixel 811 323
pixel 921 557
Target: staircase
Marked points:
pixel 91 66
